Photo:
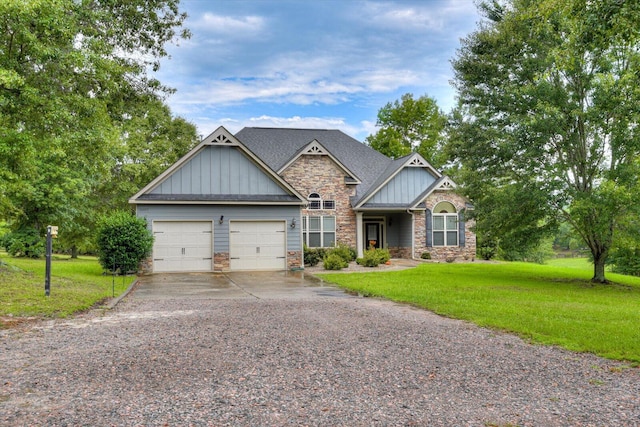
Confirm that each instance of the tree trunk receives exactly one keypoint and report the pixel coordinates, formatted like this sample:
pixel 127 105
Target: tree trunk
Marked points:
pixel 598 268
pixel 74 252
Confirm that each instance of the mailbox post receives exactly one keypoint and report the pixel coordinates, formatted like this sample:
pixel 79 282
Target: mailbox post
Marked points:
pixel 52 231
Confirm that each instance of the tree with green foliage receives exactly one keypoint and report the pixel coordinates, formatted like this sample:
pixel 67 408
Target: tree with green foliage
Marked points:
pixel 70 72
pixel 410 125
pixel 123 242
pixel 152 139
pixel 547 128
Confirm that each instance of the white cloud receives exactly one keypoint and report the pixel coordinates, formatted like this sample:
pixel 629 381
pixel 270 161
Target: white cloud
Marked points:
pixel 228 25
pixel 209 125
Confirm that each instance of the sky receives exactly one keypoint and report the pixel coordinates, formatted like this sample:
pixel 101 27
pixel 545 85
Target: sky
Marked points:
pixel 329 64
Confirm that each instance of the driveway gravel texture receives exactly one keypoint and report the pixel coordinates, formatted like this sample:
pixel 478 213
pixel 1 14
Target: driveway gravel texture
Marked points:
pixel 314 361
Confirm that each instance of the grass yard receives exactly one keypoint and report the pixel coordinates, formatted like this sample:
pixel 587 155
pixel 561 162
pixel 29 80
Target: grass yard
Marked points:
pixel 581 263
pixel 542 303
pixel 76 285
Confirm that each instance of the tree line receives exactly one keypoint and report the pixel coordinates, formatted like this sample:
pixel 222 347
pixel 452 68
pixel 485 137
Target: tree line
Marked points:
pixel 546 130
pixel 82 124
pixel 545 135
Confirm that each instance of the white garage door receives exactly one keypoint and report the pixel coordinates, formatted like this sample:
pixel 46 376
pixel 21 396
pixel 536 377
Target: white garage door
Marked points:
pixel 182 246
pixel 257 245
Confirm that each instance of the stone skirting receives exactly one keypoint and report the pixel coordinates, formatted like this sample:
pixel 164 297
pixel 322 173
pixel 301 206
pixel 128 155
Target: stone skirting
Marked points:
pixel 400 252
pixel 146 266
pixel 221 261
pixel 294 260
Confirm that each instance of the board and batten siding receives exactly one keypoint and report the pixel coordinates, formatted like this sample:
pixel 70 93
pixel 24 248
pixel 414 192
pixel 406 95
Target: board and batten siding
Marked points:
pixel 219 170
pixel 399 232
pixel 405 187
pixel 230 212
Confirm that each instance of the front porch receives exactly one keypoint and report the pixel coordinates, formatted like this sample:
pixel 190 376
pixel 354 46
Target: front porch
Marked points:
pixel 392 230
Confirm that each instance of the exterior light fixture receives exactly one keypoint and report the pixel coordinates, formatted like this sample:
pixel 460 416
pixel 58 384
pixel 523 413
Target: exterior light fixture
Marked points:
pixel 221 219
pixel 293 223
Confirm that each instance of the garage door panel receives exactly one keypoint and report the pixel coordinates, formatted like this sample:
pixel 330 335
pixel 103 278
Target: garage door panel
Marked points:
pixel 182 246
pixel 257 245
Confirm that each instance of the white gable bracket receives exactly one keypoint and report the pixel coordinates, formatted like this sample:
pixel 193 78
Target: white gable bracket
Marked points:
pixel 221 136
pixel 446 185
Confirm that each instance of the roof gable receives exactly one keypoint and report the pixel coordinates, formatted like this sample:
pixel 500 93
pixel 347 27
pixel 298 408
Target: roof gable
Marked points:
pixel 277 146
pixel 315 148
pixel 443 184
pixel 219 169
pixel 413 160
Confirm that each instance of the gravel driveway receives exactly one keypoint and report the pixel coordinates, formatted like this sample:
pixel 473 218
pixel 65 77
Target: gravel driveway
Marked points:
pixel 317 360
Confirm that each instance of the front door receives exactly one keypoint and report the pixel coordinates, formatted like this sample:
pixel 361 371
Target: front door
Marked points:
pixel 373 234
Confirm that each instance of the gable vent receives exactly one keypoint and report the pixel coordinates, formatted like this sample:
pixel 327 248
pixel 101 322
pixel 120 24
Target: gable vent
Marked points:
pixel 446 184
pixel 314 149
pixel 417 163
pixel 221 139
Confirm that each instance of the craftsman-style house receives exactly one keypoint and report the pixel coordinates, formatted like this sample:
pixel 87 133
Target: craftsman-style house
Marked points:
pixel 250 201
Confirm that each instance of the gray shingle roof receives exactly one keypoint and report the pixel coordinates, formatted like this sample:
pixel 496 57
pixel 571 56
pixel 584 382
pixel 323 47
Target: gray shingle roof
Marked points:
pixel 276 146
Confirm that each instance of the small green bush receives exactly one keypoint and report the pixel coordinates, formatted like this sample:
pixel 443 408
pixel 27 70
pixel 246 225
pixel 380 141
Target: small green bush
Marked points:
pixel 425 255
pixel 334 261
pixel 343 251
pixel 311 256
pixel 25 242
pixel 487 252
pixel 123 242
pixel 374 257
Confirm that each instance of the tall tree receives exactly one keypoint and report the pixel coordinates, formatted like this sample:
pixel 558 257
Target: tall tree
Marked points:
pixel 410 125
pixel 549 117
pixel 67 68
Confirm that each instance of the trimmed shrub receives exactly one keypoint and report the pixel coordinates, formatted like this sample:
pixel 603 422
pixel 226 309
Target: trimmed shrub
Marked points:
pixel 343 251
pixel 334 261
pixel 374 257
pixel 123 242
pixel 425 255
pixel 311 256
pixel 25 242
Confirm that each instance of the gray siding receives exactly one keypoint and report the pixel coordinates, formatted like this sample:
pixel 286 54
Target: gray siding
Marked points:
pixel 405 187
pixel 221 231
pixel 219 170
pixel 399 233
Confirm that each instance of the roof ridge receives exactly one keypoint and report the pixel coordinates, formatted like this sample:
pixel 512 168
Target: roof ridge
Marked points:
pixel 291 128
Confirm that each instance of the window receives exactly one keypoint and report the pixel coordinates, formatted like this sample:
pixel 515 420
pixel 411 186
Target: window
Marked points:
pixel 316 202
pixel 445 225
pixel 319 231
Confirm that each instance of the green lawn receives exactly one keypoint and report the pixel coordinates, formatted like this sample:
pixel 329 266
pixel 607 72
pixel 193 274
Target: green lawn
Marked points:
pixel 546 304
pixel 76 285
pixel 581 263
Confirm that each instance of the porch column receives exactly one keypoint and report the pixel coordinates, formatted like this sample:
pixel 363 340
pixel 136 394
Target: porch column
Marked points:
pixel 413 234
pixel 359 237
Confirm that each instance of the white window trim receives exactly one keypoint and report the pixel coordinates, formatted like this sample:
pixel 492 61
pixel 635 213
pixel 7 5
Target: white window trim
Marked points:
pixel 316 199
pixel 305 230
pixel 444 217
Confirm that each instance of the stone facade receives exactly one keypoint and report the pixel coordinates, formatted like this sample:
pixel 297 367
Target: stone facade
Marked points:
pixel 294 260
pixel 146 266
pixel 468 252
pixel 221 261
pixel 319 174
pixel 399 252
